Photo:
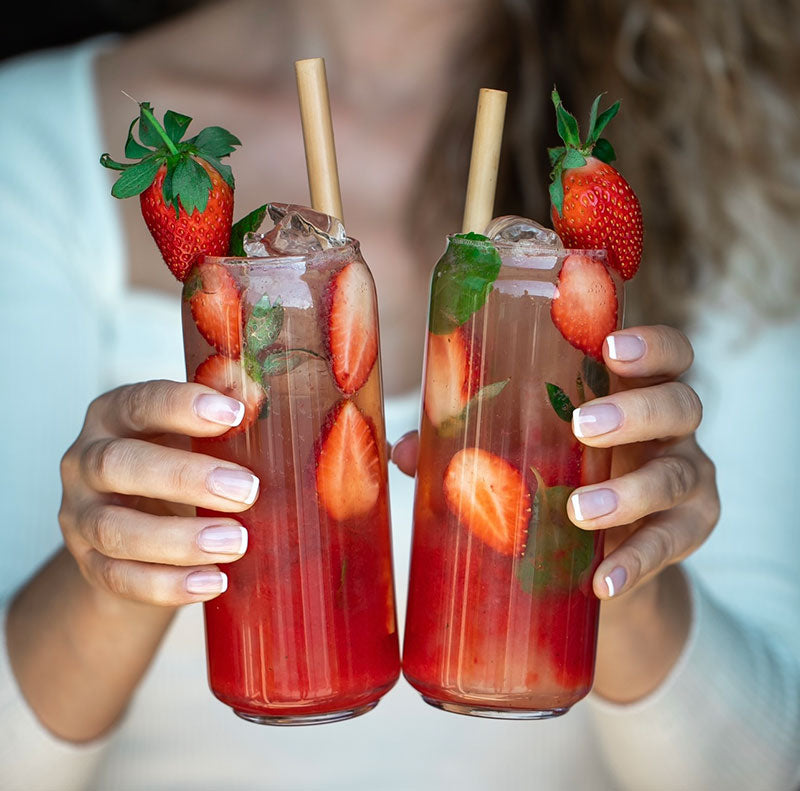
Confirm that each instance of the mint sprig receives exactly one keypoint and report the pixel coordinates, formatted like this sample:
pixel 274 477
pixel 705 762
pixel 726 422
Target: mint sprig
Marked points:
pixel 462 281
pixel 573 153
pixel 187 184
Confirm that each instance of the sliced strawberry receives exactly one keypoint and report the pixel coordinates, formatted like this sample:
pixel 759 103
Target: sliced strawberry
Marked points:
pixel 348 464
pixel 352 328
pixel 229 378
pixel 451 378
pixel 216 307
pixel 585 305
pixel 489 496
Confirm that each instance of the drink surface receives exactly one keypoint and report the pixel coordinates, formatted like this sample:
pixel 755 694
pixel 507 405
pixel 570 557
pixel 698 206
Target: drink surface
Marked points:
pixel 501 614
pixel 307 626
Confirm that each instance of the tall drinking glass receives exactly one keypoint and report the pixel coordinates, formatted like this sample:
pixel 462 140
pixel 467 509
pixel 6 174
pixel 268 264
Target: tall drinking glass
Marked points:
pixel 306 631
pixel 502 620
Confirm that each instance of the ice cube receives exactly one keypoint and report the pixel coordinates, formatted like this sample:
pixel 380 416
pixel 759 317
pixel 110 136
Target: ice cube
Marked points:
pixel 298 230
pixel 511 228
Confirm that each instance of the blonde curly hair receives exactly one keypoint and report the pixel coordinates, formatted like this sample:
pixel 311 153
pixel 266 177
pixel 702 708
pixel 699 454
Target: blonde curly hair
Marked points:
pixel 708 136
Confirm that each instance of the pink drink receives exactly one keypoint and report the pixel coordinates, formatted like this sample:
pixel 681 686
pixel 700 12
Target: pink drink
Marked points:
pixel 502 620
pixel 306 631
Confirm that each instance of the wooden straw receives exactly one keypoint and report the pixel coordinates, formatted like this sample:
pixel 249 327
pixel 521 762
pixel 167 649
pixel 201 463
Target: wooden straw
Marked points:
pixel 485 159
pixel 315 113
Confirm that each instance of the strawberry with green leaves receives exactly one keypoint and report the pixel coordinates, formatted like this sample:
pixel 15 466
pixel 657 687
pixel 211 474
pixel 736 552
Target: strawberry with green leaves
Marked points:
pixel 185 191
pixel 593 206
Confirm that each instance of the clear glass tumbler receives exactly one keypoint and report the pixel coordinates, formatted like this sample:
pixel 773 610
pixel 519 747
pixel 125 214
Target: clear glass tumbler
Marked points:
pixel 306 631
pixel 502 620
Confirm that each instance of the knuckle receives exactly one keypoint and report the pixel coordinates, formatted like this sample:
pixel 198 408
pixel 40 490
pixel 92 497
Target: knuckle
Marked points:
pixel 138 403
pixel 679 478
pixel 688 404
pixel 103 459
pixel 182 477
pixel 105 531
pixel 111 574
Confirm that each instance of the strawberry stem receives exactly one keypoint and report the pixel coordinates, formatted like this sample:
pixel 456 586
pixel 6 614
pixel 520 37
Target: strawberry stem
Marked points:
pixel 157 126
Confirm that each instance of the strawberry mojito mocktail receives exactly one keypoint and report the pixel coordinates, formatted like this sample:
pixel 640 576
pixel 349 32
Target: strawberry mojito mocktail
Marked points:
pixel 306 631
pixel 502 620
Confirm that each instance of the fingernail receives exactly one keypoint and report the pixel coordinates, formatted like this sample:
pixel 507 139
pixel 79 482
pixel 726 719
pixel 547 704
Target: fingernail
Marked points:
pixel 223 540
pixel 233 485
pixel 591 421
pixel 594 503
pixel 625 348
pixel 207 582
pixel 219 409
pixel 615 580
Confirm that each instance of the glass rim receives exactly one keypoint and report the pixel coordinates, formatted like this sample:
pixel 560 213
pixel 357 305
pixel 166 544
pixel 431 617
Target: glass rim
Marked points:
pixel 528 246
pixel 350 246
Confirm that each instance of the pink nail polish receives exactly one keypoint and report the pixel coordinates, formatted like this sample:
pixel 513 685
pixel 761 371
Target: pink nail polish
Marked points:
pixel 594 503
pixel 223 539
pixel 596 419
pixel 206 582
pixel 235 485
pixel 615 580
pixel 219 409
pixel 625 347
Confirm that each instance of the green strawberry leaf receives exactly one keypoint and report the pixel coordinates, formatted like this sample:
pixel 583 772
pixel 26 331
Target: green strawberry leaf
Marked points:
pixel 216 142
pixel 593 115
pixel 556 188
pixel 573 159
pixel 252 367
pixel 134 149
pixel 556 154
pixel 135 179
pixel 191 185
pixel 560 402
pixel 596 376
pixel 604 151
pixel 462 281
pixel 284 360
pixel 264 326
pixel 223 170
pixel 148 126
pixel 107 162
pixel 248 224
pixel 602 123
pixel 175 125
pixel 557 553
pixel 453 425
pixel 566 123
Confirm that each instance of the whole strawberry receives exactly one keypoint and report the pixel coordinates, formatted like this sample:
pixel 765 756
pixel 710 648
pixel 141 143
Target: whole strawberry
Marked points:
pixel 593 207
pixel 185 191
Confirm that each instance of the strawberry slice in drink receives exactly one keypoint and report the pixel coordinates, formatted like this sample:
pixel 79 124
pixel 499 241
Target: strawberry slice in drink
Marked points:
pixel 453 373
pixel 585 305
pixel 351 331
pixel 490 498
pixel 348 464
pixel 228 377
pixel 216 307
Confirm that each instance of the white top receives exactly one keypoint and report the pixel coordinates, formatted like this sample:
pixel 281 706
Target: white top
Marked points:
pixel 727 717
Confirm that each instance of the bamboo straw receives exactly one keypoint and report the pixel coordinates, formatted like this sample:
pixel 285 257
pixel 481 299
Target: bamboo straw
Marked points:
pixel 315 114
pixel 485 159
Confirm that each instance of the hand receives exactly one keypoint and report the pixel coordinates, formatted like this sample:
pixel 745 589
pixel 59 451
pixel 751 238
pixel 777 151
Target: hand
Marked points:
pixel 124 513
pixel 661 502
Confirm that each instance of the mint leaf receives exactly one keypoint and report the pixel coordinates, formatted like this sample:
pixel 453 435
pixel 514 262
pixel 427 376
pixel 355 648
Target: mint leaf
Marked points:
pixel 560 402
pixel 557 553
pixel 135 179
pixel 264 326
pixel 596 376
pixel 453 425
pixel 248 224
pixel 462 281
pixel 284 360
pixel 175 125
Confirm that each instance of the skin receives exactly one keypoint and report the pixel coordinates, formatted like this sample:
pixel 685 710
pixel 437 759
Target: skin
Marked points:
pixel 131 543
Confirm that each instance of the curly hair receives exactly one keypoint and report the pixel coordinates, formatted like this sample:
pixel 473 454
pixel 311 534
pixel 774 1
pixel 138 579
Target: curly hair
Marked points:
pixel 708 137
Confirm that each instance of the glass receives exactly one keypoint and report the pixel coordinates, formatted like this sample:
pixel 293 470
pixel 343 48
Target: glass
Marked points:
pixel 502 619
pixel 306 631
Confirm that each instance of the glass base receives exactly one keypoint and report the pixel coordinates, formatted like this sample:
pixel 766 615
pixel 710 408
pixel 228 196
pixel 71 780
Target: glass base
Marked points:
pixel 495 714
pixel 306 719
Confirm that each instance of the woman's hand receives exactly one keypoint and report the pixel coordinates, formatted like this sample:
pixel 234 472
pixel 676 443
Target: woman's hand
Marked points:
pixel 661 502
pixel 125 513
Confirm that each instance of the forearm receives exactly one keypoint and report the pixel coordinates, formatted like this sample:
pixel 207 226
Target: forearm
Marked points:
pixel 79 653
pixel 641 637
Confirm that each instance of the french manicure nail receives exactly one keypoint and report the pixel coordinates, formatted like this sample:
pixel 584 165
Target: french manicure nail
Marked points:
pixel 223 539
pixel 207 582
pixel 594 503
pixel 615 580
pixel 625 348
pixel 219 409
pixel 591 421
pixel 235 485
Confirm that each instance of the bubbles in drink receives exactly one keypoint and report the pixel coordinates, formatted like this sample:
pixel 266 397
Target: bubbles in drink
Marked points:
pixel 297 229
pixel 511 228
